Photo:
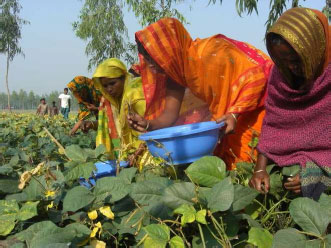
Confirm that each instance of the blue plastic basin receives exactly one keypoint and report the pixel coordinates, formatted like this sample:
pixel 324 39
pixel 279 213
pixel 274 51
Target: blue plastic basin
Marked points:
pixel 103 169
pixel 183 144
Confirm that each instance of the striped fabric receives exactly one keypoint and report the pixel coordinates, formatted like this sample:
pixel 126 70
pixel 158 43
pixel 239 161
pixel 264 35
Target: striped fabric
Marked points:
pixel 228 75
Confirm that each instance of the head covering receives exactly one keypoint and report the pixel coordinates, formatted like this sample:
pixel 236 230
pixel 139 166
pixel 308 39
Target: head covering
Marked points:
pixel 85 93
pixel 297 125
pixel 110 68
pixel 307 31
pixel 226 74
pixel 135 68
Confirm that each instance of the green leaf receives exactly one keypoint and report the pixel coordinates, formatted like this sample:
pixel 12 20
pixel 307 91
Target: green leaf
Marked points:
pixel 221 196
pixel 9 186
pixel 231 225
pixel 146 192
pixel 158 234
pixel 325 201
pixel 316 243
pixel 291 171
pixel 8 215
pixel 327 240
pixel 28 211
pixel 34 191
pixel 178 194
pixel 127 174
pixel 243 196
pixel 309 215
pixel 260 237
pixel 77 198
pixel 176 242
pixel 201 216
pixel 79 170
pixel 76 153
pixel 276 184
pixel 100 150
pixel 188 212
pixel 288 238
pixel 110 189
pixel 207 171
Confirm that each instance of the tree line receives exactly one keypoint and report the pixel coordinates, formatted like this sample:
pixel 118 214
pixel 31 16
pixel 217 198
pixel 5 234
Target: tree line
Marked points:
pixel 23 100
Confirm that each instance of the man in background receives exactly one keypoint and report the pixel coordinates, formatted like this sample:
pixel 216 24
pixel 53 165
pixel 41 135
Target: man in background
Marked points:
pixel 53 110
pixel 42 107
pixel 65 103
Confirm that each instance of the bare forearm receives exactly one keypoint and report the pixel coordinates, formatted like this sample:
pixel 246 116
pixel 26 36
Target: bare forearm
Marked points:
pixel 262 162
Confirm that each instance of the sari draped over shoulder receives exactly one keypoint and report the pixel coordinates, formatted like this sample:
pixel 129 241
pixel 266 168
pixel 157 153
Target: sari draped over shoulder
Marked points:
pixel 113 129
pixel 84 91
pixel 228 76
pixel 297 126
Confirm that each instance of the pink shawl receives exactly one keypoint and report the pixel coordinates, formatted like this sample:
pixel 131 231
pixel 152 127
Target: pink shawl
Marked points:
pixel 297 125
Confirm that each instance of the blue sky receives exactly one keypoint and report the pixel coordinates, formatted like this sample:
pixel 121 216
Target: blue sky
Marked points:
pixel 54 55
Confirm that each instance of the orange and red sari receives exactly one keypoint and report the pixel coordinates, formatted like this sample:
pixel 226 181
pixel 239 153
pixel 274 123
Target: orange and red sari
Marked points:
pixel 230 76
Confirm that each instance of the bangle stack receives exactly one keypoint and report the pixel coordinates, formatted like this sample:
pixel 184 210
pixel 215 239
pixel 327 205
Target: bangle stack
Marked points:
pixel 234 116
pixel 147 126
pixel 259 171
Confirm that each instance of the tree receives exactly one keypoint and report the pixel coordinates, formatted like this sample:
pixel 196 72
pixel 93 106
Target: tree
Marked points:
pixel 101 24
pixel 277 7
pixel 149 11
pixel 10 33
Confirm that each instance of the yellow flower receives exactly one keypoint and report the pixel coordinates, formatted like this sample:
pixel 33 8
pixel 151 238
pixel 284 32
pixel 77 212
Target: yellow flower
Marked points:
pixel 92 214
pixel 51 205
pixel 49 193
pixel 98 244
pixel 106 211
pixel 95 230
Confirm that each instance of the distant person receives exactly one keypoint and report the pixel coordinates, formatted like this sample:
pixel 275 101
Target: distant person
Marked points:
pixel 65 103
pixel 42 107
pixel 53 110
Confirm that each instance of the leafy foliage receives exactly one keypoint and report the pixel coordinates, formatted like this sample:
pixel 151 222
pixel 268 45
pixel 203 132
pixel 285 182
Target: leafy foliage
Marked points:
pixel 206 207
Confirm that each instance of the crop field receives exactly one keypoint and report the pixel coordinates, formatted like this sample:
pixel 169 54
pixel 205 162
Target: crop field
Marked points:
pixel 42 203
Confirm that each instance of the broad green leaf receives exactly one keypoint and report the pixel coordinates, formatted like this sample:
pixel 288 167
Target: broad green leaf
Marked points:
pixel 110 189
pixel 207 171
pixel 260 237
pixel 327 240
pixel 20 197
pixel 201 216
pixel 249 219
pixel 243 196
pixel 316 243
pixel 291 171
pixel 276 184
pixel 154 243
pixel 76 153
pixel 221 196
pixel 188 213
pixel 178 194
pixel 34 191
pixel 127 174
pixel 100 150
pixel 9 186
pixel 77 198
pixel 80 170
pixel 309 215
pixel 158 233
pixel 176 242
pixel 8 214
pixel 288 238
pixel 28 210
pixel 325 201
pixel 146 192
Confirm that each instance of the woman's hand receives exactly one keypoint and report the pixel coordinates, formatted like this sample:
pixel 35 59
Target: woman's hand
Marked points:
pixel 91 107
pixel 293 184
pixel 260 181
pixel 230 122
pixel 85 126
pixel 137 122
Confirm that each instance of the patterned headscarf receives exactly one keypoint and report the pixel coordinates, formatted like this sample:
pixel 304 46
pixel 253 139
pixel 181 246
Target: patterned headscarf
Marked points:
pixel 307 31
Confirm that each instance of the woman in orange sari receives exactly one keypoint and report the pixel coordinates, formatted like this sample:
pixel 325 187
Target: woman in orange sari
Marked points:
pixel 228 75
